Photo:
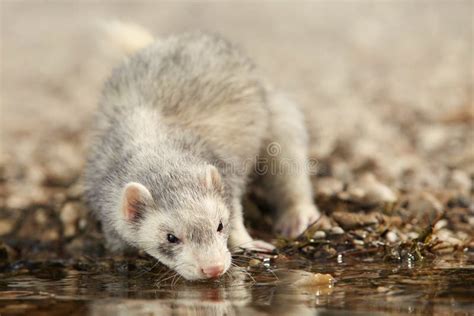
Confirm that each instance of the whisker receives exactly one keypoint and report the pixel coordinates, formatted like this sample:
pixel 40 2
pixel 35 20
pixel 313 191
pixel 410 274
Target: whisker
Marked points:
pixel 164 276
pixel 173 283
pixel 144 271
pixel 246 272
pixel 273 273
pixel 168 278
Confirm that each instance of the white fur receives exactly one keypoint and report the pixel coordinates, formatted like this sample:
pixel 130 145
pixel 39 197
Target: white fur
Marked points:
pixel 187 118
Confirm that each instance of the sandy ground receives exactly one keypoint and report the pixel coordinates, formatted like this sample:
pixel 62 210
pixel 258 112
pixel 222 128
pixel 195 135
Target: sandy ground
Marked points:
pixel 387 86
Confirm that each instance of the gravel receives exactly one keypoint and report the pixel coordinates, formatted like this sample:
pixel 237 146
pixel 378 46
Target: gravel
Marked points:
pixel 389 125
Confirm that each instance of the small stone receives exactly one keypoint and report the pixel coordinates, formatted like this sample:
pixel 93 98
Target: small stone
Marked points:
pixel 393 220
pixel 17 202
pixel 356 193
pixel 6 252
pixel 336 230
pixel 266 262
pixel 432 137
pixel 462 236
pixel 471 221
pixel 358 242
pixel 21 196
pixel 69 216
pixel 440 224
pixel 424 204
pixel 254 262
pixel 382 289
pixel 391 236
pixel 35 174
pixel 460 181
pixel 59 198
pixel 328 186
pixel 448 237
pixel 6 226
pixel 344 196
pixel 369 190
pixel 444 250
pixel 41 217
pixel 361 233
pixel 319 235
pixel 82 223
pixel 75 191
pixel 314 279
pixel 50 235
pixel 62 165
pixel 69 213
pixel 354 220
pixel 459 201
pixel 330 252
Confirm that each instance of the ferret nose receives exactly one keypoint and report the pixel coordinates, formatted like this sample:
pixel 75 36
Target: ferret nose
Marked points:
pixel 213 271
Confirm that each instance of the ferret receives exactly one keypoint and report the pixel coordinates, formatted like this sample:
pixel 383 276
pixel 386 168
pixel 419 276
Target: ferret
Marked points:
pixel 183 124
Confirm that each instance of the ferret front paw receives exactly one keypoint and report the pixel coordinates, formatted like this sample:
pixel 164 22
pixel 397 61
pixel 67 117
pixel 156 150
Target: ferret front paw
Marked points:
pixel 293 222
pixel 252 244
pixel 259 245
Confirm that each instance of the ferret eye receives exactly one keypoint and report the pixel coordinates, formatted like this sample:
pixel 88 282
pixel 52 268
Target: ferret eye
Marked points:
pixel 220 227
pixel 172 238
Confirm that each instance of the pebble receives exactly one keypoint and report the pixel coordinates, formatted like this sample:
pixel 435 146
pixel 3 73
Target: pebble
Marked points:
pixel 336 230
pixel 443 250
pixel 266 262
pixel 328 186
pixel 382 289
pixel 460 180
pixel 448 237
pixel 462 235
pixel 6 252
pixel 370 191
pixel 391 236
pixel 82 223
pixel 319 235
pixel 440 224
pixel 17 202
pixel 21 196
pixel 62 166
pixel 50 235
pixel 75 191
pixel 254 262
pixel 424 203
pixel 358 242
pixel 6 226
pixel 307 279
pixel 349 220
pixel 69 216
pixel 361 233
pixel 471 221
pixel 41 217
pixel 35 174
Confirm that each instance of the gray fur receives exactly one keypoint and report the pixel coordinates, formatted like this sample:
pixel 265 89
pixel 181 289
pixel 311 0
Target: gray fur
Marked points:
pixel 165 115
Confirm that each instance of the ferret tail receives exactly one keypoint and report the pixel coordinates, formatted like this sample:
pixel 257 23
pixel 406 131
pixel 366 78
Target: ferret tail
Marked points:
pixel 125 37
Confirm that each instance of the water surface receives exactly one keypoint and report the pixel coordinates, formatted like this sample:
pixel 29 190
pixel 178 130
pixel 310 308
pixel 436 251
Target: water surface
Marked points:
pixel 116 287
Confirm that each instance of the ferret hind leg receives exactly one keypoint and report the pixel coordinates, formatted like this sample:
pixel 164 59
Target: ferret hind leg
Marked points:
pixel 286 169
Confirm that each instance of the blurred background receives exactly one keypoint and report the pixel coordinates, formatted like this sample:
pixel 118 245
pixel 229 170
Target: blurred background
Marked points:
pixel 387 87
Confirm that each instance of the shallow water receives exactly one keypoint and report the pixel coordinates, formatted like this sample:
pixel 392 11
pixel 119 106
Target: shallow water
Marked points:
pixel 442 286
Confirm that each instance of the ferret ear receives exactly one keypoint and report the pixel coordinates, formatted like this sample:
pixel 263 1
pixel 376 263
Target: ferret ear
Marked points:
pixel 134 200
pixel 212 178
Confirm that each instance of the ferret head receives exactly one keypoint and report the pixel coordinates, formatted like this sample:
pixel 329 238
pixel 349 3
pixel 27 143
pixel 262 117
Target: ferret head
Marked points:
pixel 189 235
